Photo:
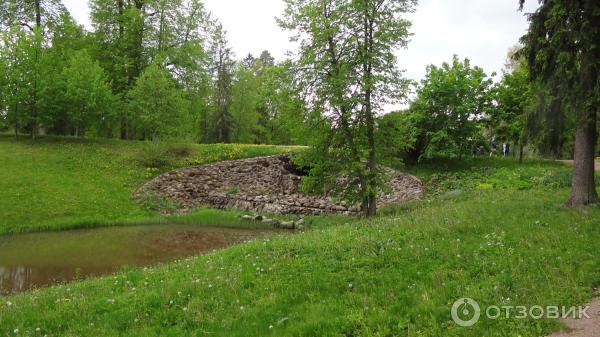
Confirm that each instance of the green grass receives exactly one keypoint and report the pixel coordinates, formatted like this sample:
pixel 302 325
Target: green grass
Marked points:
pixel 491 230
pixel 392 276
pixel 59 183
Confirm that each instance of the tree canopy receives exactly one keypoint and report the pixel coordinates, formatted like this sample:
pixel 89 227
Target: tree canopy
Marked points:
pixel 563 54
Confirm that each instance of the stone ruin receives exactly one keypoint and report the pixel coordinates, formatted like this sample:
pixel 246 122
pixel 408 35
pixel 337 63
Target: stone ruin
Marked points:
pixel 264 184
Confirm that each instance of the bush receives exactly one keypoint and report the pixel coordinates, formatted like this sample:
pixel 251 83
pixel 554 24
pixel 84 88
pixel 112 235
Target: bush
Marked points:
pixel 163 156
pixel 157 203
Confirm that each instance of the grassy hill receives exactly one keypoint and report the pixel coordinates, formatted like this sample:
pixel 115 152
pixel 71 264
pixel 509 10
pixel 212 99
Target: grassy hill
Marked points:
pixel 487 229
pixel 57 183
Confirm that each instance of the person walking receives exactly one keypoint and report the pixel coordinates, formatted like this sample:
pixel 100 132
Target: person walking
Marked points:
pixel 506 150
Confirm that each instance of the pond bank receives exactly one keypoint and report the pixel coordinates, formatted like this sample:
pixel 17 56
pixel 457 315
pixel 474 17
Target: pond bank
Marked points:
pixel 42 259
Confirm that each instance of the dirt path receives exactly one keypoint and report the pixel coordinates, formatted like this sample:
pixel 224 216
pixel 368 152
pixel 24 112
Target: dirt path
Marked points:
pixel 570 162
pixel 583 327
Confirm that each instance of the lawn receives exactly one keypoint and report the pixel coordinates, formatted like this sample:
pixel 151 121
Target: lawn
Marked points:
pixel 59 183
pixel 488 229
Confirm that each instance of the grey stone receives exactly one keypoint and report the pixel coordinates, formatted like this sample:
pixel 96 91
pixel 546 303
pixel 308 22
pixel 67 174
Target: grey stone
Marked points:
pixel 264 185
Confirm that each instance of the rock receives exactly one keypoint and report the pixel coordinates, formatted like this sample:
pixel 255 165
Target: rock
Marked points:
pixel 247 217
pixel 272 222
pixel 287 225
pixel 267 184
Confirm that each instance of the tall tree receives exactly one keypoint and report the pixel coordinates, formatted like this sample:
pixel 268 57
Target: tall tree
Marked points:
pixel 222 72
pixel 347 58
pixel 157 105
pixel 450 103
pixel 133 33
pixel 3 92
pixel 87 92
pixel 66 39
pixel 30 14
pixel 24 79
pixel 563 52
pixel 514 97
pixel 244 103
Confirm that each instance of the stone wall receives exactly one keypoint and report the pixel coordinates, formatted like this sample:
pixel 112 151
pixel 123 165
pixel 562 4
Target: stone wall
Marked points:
pixel 265 184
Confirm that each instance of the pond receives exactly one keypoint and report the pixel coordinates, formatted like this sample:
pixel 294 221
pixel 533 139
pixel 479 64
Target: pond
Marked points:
pixel 36 260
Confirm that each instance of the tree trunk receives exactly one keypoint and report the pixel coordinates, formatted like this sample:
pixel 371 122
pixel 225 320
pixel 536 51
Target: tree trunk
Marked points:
pixel 121 5
pixel 584 185
pixel 17 121
pixel 371 192
pixel 521 150
pixel 38 14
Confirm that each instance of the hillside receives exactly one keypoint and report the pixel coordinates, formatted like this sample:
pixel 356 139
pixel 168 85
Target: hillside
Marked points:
pixel 487 229
pixel 66 182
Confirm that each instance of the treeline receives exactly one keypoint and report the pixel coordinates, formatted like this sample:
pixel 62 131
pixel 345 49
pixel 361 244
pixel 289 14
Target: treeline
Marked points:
pixel 460 111
pixel 148 70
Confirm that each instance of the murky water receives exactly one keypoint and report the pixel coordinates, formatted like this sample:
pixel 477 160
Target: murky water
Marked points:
pixel 41 259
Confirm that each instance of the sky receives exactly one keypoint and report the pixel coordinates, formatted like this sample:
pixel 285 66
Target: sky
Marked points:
pixel 481 30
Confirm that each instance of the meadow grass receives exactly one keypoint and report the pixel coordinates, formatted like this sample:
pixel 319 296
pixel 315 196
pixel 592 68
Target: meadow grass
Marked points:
pixel 60 183
pixel 488 229
pixel 396 275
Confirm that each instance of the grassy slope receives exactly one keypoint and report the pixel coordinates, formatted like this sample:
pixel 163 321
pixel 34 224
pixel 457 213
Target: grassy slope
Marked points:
pixel 392 276
pixel 505 239
pixel 64 183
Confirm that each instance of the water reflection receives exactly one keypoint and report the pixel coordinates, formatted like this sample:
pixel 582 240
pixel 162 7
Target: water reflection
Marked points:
pixel 42 259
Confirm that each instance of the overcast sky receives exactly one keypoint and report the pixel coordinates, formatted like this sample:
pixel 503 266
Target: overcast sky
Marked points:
pixel 482 30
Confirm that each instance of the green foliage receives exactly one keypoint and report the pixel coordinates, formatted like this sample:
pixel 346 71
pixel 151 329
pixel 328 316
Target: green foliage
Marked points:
pixel 514 97
pixel 156 106
pixel 244 103
pixel 155 203
pixel 395 136
pixel 219 109
pixel 87 93
pixel 57 183
pixel 448 175
pixel 266 108
pixel 348 68
pixel 212 101
pixel 25 70
pixel 451 101
pixel 23 13
pixel 561 47
pixel 162 156
pixel 377 277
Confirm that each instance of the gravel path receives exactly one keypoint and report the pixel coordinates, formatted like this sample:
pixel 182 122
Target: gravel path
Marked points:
pixel 570 162
pixel 583 327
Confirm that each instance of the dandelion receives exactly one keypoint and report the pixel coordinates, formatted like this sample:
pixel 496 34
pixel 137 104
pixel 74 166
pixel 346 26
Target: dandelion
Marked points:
pixel 210 285
pixel 350 285
pixel 242 307
pixel 9 303
pixel 38 329
pixel 16 331
pixel 270 327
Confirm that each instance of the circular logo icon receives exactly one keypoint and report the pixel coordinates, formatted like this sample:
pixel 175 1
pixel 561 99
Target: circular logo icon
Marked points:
pixel 466 312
